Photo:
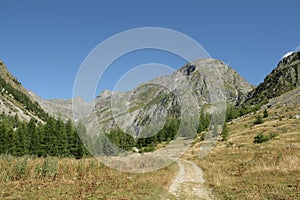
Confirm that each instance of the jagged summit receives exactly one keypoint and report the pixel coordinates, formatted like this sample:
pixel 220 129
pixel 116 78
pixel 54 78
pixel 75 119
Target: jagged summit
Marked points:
pixel 137 110
pixel 235 85
pixel 105 94
pixel 146 100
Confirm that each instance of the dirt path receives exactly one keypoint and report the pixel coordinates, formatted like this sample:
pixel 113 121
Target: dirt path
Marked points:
pixel 188 184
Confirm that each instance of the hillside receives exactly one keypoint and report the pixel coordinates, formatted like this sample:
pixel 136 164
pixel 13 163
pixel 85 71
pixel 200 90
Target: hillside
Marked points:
pixel 150 93
pixel 15 99
pixel 61 108
pixel 210 80
pixel 258 155
pixel 241 168
pixel 26 129
pixel 256 160
pixel 285 77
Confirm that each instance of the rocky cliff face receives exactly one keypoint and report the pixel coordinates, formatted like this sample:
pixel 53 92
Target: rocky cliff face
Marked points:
pixel 60 108
pixel 233 84
pixel 285 77
pixel 144 109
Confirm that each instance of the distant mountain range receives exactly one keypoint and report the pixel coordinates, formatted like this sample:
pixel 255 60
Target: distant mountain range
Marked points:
pixel 137 110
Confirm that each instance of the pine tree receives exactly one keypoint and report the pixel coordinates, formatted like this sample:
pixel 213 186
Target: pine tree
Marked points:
pixel 3 138
pixel 22 140
pixel 11 141
pixel 225 133
pixel 61 138
pixel 265 114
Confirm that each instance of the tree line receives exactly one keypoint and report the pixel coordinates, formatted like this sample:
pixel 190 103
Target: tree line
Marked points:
pixel 53 138
pixel 116 141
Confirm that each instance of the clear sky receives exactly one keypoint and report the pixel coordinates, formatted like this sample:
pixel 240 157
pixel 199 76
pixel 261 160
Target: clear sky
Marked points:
pixel 43 43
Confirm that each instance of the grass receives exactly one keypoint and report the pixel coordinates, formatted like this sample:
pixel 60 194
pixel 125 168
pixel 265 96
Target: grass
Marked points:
pixel 66 178
pixel 240 169
pixel 235 169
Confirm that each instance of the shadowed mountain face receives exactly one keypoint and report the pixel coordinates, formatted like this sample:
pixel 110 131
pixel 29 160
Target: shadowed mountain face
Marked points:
pixel 285 77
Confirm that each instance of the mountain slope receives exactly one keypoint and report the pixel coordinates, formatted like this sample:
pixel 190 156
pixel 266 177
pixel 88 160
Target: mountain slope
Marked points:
pixel 285 77
pixel 142 109
pixel 60 108
pixel 15 99
pixel 241 169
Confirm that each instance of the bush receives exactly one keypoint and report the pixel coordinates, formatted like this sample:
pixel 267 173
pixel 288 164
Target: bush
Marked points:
pixel 258 120
pixel 150 148
pixel 260 138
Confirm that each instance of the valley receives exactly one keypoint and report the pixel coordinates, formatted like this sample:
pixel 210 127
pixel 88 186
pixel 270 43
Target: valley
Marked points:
pixel 44 154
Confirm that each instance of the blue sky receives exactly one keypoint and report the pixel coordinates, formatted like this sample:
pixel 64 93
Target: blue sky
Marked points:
pixel 43 43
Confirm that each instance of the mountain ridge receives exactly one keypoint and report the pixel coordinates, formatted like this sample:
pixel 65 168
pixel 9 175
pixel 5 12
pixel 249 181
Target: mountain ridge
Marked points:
pixel 146 100
pixel 283 78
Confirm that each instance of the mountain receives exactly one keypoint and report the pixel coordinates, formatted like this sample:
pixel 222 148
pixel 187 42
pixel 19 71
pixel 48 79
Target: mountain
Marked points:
pixel 201 88
pixel 285 77
pixel 61 108
pixel 140 111
pixel 142 108
pixel 27 129
pixel 15 99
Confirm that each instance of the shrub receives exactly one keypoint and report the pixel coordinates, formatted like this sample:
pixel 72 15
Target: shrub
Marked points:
pixel 258 120
pixel 260 138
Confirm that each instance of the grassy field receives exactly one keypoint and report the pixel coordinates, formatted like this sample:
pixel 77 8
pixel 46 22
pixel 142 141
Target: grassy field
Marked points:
pixel 65 178
pixel 240 169
pixel 235 169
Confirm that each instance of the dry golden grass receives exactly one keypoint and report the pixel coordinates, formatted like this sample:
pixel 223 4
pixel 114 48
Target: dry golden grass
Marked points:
pixel 240 169
pixel 54 178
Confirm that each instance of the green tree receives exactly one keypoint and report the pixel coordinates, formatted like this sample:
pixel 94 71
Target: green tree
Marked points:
pixel 3 137
pixel 265 114
pixel 11 142
pixel 22 140
pixel 260 138
pixel 232 112
pixel 204 122
pixel 225 133
pixel 61 137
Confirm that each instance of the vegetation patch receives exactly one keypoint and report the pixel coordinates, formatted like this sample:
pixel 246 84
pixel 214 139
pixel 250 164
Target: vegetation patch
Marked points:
pixel 260 138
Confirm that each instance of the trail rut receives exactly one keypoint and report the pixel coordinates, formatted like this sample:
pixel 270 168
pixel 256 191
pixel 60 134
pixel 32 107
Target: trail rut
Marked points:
pixel 188 184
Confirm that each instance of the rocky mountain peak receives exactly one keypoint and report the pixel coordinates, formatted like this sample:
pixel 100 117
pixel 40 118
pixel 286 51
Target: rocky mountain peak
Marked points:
pixel 285 77
pixel 198 71
pixel 288 60
pixel 104 94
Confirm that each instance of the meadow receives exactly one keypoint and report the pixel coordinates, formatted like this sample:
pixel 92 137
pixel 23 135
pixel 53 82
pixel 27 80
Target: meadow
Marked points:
pixel 31 177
